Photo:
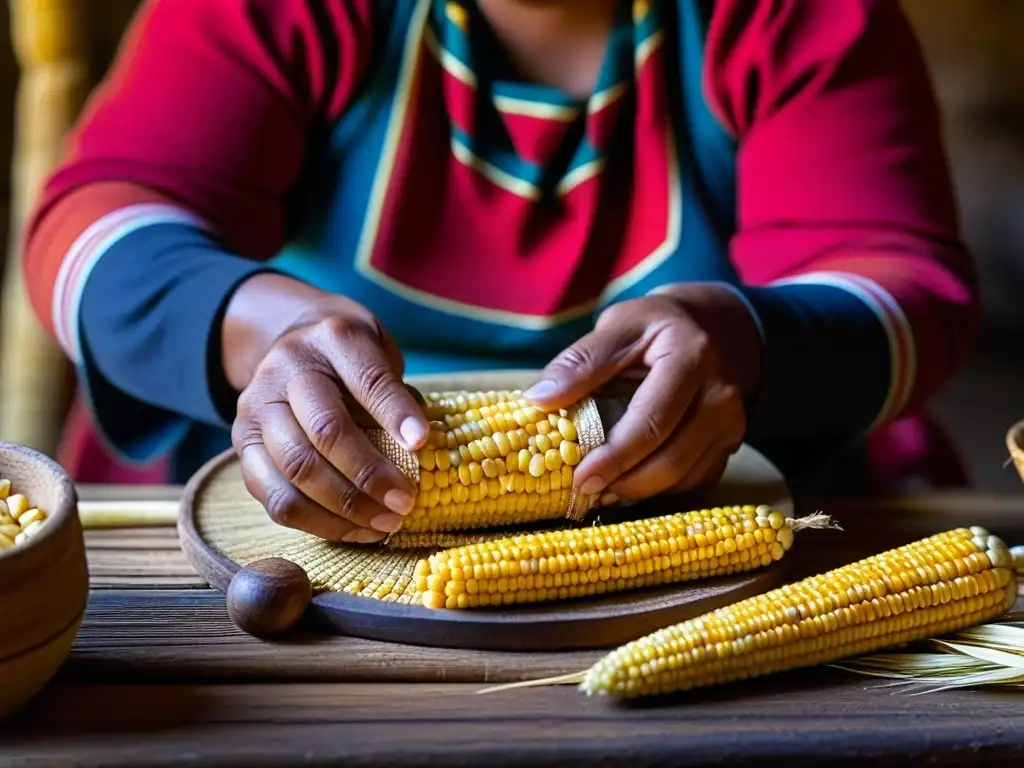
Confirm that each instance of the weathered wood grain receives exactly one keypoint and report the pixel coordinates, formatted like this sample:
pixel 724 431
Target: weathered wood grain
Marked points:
pixel 145 557
pixel 174 635
pixel 801 719
pixel 137 635
pixel 160 677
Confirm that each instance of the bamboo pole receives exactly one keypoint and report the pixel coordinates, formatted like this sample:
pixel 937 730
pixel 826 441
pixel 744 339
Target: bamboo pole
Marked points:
pixel 51 43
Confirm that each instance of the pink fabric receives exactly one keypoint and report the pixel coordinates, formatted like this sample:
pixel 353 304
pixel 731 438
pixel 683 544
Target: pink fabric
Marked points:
pixel 841 166
pixel 84 456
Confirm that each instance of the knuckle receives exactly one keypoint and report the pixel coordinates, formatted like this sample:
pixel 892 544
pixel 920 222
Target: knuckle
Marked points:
pixel 247 413
pixel 615 313
pixel 283 507
pixel 341 327
pixel 729 396
pixel 366 475
pixel 244 433
pixel 377 385
pixel 575 358
pixel 650 430
pixel 347 503
pixel 298 463
pixel 281 356
pixel 325 429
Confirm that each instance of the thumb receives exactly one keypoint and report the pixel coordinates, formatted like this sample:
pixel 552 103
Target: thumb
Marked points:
pixel 585 366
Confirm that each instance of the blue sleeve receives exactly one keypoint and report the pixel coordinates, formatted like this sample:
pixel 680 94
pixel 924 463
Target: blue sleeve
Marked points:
pixel 826 371
pixel 149 327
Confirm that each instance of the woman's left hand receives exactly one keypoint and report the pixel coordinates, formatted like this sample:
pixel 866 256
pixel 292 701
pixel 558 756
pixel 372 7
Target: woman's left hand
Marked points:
pixel 700 348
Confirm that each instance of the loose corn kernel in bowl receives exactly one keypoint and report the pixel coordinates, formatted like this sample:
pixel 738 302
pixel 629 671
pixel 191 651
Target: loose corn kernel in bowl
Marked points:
pixel 19 520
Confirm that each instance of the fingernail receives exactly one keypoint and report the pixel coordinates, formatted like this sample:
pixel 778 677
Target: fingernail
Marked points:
pixel 542 388
pixel 399 501
pixel 608 499
pixel 362 536
pixel 413 431
pixel 593 486
pixel 387 522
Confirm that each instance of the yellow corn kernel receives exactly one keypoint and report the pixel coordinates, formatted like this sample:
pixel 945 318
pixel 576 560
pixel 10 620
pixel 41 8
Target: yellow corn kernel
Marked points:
pixel 443 459
pixel 567 430
pixel 476 451
pixel 606 558
pixel 17 505
pixel 885 601
pixel 31 516
pixel 501 462
pixel 552 459
pixel 524 460
pixel 5 488
pixel 570 452
pixel 537 465
pixel 566 481
pixel 502 443
pixel 490 448
pixel 514 442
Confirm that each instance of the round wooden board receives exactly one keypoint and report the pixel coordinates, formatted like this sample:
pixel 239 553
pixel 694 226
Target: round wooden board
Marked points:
pixel 222 529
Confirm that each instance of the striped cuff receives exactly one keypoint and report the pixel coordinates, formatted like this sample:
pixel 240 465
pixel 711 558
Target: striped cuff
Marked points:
pixel 838 358
pixel 86 251
pixel 898 332
pixel 140 309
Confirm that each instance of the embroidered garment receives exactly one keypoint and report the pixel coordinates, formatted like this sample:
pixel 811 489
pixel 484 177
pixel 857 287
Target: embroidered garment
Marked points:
pixel 385 151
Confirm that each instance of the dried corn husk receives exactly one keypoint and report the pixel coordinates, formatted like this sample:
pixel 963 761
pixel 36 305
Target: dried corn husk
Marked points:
pixel 987 655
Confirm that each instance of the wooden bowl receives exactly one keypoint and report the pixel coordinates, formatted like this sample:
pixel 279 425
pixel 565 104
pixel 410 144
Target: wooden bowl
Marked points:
pixel 1015 444
pixel 44 582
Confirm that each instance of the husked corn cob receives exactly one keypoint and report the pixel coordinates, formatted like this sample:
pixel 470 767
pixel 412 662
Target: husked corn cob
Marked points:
pixel 932 587
pixel 564 564
pixel 19 520
pixel 492 460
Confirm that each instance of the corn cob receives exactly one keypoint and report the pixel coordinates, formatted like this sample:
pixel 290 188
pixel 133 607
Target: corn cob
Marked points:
pixel 493 460
pixel 932 587
pixel 565 564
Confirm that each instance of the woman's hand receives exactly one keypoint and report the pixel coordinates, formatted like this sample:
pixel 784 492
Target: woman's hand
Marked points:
pixel 297 430
pixel 699 348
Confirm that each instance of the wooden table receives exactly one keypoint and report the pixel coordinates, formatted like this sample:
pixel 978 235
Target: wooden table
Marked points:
pixel 159 676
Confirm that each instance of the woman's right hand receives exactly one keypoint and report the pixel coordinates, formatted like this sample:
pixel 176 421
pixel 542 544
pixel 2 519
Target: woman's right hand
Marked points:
pixel 298 432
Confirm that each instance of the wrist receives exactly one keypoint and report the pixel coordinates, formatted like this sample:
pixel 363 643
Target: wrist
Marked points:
pixel 261 310
pixel 730 323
